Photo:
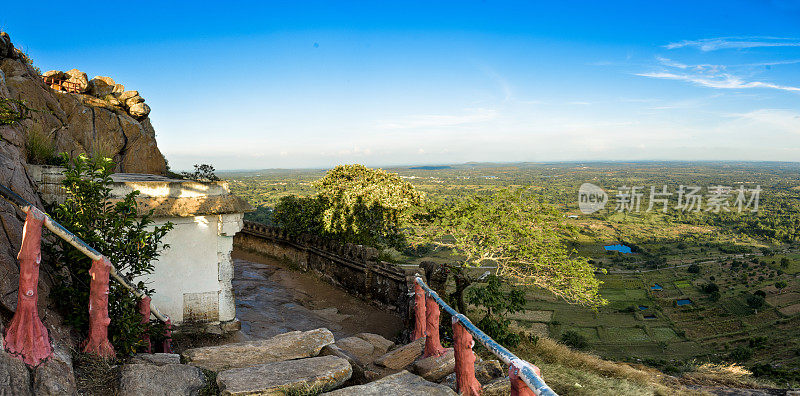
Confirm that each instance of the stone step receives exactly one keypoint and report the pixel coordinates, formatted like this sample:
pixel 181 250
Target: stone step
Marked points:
pixel 168 379
pixel 403 356
pixel 435 368
pixel 400 384
pixel 302 376
pixel 286 346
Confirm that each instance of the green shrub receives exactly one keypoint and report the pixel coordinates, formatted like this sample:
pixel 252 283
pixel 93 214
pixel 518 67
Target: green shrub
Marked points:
pixel 498 303
pixel 40 149
pixel 575 340
pixel 116 231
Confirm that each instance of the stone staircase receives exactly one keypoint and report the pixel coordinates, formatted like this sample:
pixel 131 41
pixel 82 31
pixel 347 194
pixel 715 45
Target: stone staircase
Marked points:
pixel 305 363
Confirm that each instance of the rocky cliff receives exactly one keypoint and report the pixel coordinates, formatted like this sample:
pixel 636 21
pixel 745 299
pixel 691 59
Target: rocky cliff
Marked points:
pixel 97 117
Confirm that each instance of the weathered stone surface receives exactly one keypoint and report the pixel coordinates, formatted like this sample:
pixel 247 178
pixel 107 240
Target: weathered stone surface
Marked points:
pixel 78 77
pixel 14 377
pixel 56 74
pixel 380 344
pixel 54 377
pixel 152 380
pixel 125 95
pixel 403 356
pixel 6 48
pixel 488 370
pixel 139 110
pixel 497 387
pixel 287 346
pixel 357 366
pixel 357 347
pixel 435 368
pixel 158 359
pixel 118 89
pixel 101 86
pixel 133 100
pixel 400 384
pixel 278 378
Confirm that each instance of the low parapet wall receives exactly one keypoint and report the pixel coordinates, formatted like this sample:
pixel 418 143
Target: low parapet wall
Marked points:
pixel 355 268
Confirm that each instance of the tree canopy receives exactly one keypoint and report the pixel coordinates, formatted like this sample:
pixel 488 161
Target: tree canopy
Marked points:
pixel 514 231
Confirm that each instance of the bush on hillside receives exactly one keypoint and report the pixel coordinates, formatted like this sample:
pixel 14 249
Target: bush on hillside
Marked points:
pixel 117 231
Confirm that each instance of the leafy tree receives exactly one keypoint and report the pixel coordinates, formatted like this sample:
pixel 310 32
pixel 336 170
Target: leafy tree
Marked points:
pixel 514 231
pixel 299 215
pixel 202 173
pixel 366 206
pixel 785 262
pixel 755 302
pixel 117 231
pixel 780 285
pixel 498 304
pixel 693 269
pixel 709 288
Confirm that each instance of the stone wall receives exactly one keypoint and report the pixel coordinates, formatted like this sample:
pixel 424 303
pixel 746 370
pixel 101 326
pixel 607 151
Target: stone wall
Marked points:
pixel 354 268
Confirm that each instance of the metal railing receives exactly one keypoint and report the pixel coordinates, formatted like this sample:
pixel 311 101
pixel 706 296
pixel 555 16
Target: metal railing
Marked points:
pixel 524 370
pixel 99 287
pixel 62 85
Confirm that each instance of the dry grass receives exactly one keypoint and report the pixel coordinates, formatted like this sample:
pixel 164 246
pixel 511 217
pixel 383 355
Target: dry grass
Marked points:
pixel 96 376
pixel 568 367
pixel 730 375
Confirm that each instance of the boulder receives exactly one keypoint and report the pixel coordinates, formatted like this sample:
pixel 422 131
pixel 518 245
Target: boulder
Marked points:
pixel 124 96
pixel 118 89
pixel 54 377
pixel 286 346
pixel 380 344
pixel 101 86
pixel 6 48
pixel 403 356
pixel 497 387
pixel 133 100
pixel 139 110
pixel 435 368
pixel 14 377
pixel 487 370
pixel 169 379
pixel 55 74
pixel 400 384
pixel 158 359
pixel 78 77
pixel 358 347
pixel 357 366
pixel 303 376
pixel 112 100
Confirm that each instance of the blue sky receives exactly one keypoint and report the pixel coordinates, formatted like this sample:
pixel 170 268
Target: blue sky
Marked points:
pixel 313 84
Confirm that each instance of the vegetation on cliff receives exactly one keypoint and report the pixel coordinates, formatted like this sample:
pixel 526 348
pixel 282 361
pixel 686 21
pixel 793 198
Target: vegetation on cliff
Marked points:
pixel 120 233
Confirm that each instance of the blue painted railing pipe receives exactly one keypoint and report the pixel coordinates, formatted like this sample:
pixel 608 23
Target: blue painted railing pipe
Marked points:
pixel 526 372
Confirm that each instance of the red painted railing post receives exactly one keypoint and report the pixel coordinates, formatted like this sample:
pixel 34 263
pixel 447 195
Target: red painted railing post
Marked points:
pixel 419 312
pixel 26 336
pixel 466 383
pixel 168 337
pixel 518 386
pixel 433 346
pixel 144 310
pixel 98 310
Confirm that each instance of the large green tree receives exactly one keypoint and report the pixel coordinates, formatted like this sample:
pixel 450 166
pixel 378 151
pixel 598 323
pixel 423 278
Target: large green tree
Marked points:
pixel 364 205
pixel 515 233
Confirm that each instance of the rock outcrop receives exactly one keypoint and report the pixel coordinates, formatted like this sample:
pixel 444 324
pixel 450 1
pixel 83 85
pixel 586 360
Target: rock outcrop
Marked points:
pixel 73 123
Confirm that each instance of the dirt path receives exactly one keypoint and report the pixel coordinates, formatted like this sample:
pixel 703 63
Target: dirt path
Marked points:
pixel 271 299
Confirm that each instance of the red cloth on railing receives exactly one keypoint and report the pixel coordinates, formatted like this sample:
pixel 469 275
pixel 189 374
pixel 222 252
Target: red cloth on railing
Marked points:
pixel 144 310
pixel 26 337
pixel 433 347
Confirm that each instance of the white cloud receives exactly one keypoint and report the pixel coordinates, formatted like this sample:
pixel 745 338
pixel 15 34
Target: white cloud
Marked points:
pixel 721 81
pixel 433 120
pixel 778 119
pixel 713 44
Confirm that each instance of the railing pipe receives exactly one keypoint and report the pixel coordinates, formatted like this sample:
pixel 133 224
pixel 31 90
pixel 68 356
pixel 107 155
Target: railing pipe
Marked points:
pixel 73 240
pixel 526 370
